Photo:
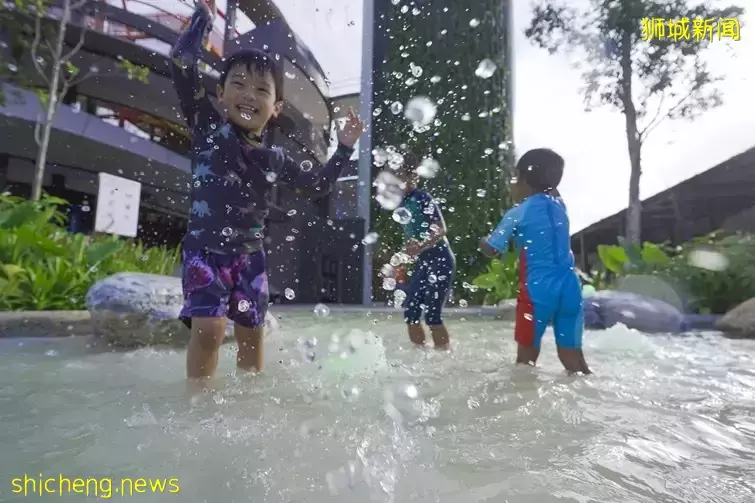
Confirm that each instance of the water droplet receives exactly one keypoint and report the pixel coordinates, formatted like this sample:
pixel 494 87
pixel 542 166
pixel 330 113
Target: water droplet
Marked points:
pixel 428 168
pixel 244 305
pixel 377 112
pixel 708 259
pixel 306 165
pixel 290 75
pixel 246 116
pixel 370 239
pixel 432 278
pixel 395 160
pixel 435 79
pixel 395 2
pixel 271 177
pixel 86 208
pixel 226 231
pixel 12 68
pixel 402 216
pixel 411 391
pixel 379 157
pixel 415 69
pixel 291 213
pixel 420 110
pixel 485 69
pixel 396 107
pixel 404 9
pixel 399 296
pixel 463 303
pixel 321 310
pixel 474 22
pixel 481 192
pixel 290 294
pixel 389 284
pixel 290 238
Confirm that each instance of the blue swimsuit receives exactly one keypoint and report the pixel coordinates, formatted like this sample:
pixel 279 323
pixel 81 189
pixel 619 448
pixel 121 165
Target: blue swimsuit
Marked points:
pixel 549 289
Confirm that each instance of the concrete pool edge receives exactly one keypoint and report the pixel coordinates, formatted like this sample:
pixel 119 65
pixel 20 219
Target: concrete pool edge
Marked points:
pixel 14 324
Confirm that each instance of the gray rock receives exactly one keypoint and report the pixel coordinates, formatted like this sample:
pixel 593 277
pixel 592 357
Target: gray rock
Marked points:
pixel 607 308
pixel 740 321
pixel 131 310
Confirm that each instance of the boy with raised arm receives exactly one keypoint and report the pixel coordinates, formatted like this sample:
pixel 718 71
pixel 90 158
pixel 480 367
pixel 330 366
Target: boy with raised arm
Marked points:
pixel 224 270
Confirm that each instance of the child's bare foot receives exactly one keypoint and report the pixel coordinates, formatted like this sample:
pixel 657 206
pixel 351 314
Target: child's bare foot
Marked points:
pixel 441 339
pixel 416 334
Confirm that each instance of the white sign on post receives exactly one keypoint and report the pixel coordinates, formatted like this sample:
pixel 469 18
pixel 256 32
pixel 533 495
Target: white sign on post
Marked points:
pixel 117 206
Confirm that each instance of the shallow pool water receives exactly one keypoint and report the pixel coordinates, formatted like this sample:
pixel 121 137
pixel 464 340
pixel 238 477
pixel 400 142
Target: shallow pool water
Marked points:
pixel 664 419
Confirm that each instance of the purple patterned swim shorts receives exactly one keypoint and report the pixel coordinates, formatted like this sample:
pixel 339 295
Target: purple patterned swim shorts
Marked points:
pixel 219 285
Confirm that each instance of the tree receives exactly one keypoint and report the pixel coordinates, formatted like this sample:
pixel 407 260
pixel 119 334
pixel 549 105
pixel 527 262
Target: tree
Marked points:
pixel 434 49
pixel 643 58
pixel 52 58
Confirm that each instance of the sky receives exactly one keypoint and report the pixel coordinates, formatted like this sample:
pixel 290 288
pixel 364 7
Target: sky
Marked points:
pixel 593 143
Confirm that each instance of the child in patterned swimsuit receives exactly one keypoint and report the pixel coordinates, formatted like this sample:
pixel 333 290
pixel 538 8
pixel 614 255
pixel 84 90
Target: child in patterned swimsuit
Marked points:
pixel 224 271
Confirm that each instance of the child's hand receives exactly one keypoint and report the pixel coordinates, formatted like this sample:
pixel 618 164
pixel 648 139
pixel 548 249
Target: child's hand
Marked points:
pixel 413 247
pixel 352 130
pixel 209 7
pixel 400 274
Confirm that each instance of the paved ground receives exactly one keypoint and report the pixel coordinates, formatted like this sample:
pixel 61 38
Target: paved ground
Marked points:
pixel 70 323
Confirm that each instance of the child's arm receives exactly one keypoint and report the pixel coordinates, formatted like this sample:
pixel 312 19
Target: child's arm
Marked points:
pixel 187 81
pixel 498 240
pixel 322 181
pixel 436 232
pixel 318 182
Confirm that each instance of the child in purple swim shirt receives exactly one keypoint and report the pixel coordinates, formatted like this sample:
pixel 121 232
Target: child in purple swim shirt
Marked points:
pixel 224 271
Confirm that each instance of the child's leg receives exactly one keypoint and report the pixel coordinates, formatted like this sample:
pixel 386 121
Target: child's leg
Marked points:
pixel 568 328
pixel 438 287
pixel 248 307
pixel 207 335
pixel 249 340
pixel 529 328
pixel 204 311
pixel 415 296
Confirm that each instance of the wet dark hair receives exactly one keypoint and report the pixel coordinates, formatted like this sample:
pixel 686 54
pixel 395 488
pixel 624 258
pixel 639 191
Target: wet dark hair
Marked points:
pixel 541 168
pixel 407 169
pixel 254 60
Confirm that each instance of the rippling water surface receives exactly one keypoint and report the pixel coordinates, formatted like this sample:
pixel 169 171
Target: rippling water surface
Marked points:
pixel 664 419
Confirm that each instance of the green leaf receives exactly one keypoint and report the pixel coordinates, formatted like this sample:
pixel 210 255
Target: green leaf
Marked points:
pixel 486 280
pixel 652 254
pixel 102 251
pixel 614 258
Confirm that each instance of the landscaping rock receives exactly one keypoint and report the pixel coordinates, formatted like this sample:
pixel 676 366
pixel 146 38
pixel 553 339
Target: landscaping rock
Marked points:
pixel 740 321
pixel 133 309
pixel 607 308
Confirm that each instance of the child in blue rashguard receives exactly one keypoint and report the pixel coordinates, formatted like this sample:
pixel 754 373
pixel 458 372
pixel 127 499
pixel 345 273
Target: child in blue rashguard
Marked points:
pixel 549 289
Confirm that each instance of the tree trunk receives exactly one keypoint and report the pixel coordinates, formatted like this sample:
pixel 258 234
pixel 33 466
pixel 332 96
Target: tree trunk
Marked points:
pixel 43 142
pixel 633 231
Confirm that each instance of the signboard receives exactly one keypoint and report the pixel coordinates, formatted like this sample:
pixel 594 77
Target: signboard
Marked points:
pixel 117 206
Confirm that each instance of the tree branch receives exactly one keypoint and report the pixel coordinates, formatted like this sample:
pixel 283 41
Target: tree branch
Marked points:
pixel 655 119
pixel 35 47
pixel 38 133
pixel 668 113
pixel 78 46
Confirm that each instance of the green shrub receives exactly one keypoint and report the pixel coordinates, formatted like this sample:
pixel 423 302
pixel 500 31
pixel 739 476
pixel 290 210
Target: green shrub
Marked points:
pixel 44 267
pixel 500 280
pixel 706 290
